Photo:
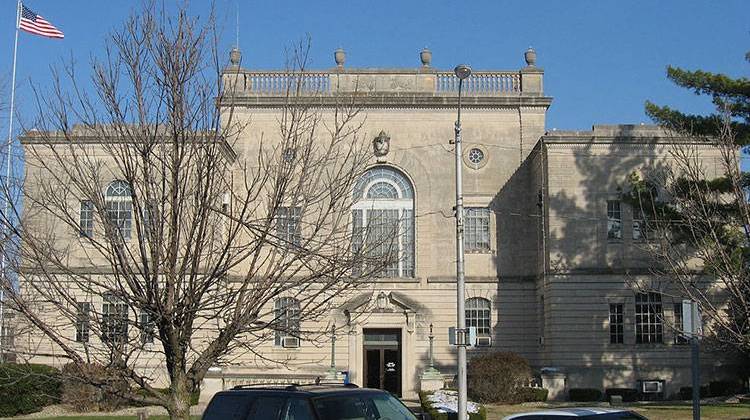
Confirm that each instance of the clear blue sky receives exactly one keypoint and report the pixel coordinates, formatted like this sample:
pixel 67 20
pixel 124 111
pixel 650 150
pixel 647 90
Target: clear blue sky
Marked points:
pixel 602 58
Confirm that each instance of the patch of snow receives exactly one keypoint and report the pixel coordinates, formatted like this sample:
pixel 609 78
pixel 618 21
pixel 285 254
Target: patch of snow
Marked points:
pixel 445 401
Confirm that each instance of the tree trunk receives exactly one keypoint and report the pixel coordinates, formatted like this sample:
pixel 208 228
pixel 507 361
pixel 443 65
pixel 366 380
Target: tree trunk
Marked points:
pixel 179 406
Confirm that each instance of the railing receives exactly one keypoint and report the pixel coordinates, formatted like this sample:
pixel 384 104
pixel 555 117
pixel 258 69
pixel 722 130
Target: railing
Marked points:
pixel 279 83
pixel 480 83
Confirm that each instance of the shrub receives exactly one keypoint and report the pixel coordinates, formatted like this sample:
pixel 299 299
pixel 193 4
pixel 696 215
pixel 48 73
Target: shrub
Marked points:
pixel 498 377
pixel 27 388
pixel 530 394
pixel 584 394
pixel 627 394
pixel 724 388
pixel 435 415
pixel 686 392
pixel 81 395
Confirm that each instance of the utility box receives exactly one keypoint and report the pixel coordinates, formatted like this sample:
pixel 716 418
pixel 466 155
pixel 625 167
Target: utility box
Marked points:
pixel 462 337
pixel 692 325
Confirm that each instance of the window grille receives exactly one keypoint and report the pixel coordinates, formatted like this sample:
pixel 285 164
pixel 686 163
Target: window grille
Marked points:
pixel 614 220
pixel 287 319
pixel 616 324
pixel 114 320
pixel 83 321
pixel 288 228
pixel 86 224
pixel 119 202
pixel 477 229
pixel 478 314
pixel 648 318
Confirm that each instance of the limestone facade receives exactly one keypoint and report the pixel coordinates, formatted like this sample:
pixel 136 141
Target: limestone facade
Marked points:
pixel 548 273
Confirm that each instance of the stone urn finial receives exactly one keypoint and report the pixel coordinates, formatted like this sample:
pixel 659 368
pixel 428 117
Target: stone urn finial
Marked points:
pixel 426 57
pixel 340 56
pixel 235 56
pixel 530 57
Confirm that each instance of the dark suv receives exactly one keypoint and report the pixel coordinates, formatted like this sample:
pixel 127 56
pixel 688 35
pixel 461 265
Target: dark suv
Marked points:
pixel 306 402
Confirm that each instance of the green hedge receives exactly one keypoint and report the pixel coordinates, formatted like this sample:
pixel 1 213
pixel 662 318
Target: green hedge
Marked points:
pixel 27 389
pixel 627 394
pixel 724 388
pixel 584 394
pixel 427 408
pixel 713 389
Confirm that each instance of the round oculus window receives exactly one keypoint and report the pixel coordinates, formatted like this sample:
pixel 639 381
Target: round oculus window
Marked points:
pixel 475 156
pixel 288 154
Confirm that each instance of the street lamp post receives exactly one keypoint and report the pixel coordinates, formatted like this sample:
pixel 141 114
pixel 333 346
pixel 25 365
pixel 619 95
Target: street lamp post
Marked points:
pixel 462 71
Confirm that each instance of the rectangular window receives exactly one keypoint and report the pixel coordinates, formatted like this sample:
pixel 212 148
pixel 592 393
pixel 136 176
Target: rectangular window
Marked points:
pixel 616 324
pixel 679 338
pixel 287 314
pixel 614 220
pixel 86 223
pixel 114 320
pixel 83 321
pixel 120 214
pixel 648 318
pixel 7 337
pixel 288 226
pixel 477 229
pixel 147 327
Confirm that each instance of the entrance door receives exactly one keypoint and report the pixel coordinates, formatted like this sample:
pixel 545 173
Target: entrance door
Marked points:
pixel 382 354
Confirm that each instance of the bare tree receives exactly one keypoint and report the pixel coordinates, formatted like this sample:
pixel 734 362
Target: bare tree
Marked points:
pixel 696 217
pixel 141 223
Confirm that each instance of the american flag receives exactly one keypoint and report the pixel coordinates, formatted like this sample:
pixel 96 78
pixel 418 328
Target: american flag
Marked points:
pixel 35 24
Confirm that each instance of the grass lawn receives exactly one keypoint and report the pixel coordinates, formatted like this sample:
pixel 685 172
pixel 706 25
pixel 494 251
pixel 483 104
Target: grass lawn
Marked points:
pixel 652 411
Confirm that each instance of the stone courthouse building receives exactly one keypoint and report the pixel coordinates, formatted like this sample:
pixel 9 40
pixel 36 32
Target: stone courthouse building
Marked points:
pixel 552 251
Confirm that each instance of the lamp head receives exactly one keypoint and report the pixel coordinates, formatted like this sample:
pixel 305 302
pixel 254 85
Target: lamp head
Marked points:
pixel 462 71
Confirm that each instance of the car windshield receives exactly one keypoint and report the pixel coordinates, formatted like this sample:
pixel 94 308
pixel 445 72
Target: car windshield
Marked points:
pixel 373 406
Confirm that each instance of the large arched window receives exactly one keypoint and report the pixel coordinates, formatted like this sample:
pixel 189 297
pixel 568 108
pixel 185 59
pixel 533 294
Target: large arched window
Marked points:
pixel 119 201
pixel 383 219
pixel 478 314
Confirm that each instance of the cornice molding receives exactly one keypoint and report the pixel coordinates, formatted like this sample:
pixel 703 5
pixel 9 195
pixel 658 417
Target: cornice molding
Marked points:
pixel 391 101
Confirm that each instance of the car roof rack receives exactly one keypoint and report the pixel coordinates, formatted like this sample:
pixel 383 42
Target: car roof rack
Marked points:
pixel 291 386
pixel 287 387
pixel 348 385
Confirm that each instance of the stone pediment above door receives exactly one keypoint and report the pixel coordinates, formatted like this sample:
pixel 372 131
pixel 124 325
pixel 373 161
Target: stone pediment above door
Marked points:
pixel 382 302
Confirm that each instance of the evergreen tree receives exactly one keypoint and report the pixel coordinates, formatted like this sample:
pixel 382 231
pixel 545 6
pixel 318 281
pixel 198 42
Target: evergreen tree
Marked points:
pixel 697 219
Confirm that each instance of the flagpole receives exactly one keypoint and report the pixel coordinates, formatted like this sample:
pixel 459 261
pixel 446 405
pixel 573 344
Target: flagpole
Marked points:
pixel 6 186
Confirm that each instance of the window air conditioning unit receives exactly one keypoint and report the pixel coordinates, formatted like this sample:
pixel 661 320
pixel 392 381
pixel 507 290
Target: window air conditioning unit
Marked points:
pixel 652 387
pixel 484 341
pixel 290 342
